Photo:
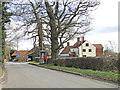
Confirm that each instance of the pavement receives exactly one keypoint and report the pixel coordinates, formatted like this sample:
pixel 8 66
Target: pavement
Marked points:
pixel 23 75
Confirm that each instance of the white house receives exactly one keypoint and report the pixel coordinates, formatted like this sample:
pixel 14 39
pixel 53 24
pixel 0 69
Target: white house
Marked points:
pixel 83 48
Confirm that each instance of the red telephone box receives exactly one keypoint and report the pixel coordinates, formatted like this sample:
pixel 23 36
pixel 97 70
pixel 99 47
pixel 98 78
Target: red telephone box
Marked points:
pixel 43 56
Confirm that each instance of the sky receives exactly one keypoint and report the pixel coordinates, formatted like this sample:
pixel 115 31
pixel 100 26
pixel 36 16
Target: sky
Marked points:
pixel 104 24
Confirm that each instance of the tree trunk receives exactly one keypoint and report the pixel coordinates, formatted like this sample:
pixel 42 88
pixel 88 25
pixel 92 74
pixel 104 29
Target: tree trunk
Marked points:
pixel 54 36
pixel 54 45
pixel 39 25
pixel 54 39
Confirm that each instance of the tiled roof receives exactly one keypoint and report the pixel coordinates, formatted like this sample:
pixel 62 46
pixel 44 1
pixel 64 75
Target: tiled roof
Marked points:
pixel 20 53
pixel 98 45
pixel 34 49
pixel 66 50
pixel 38 48
pixel 77 44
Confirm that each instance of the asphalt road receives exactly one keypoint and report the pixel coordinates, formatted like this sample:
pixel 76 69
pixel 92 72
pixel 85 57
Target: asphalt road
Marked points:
pixel 23 75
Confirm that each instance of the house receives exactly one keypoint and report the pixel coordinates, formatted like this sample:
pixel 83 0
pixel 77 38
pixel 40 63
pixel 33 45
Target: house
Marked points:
pixel 20 54
pixel 35 53
pixel 82 48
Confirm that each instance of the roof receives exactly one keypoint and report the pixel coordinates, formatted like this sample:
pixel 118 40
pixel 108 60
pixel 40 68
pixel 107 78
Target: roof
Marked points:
pixel 33 49
pixel 98 45
pixel 66 50
pixel 20 53
pixel 38 48
pixel 77 44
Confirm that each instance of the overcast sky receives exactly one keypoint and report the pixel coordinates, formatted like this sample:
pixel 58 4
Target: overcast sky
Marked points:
pixel 104 23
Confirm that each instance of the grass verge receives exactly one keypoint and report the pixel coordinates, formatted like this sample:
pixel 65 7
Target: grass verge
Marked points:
pixel 109 76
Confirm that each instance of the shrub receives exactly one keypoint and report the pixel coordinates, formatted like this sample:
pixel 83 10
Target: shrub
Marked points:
pixel 94 63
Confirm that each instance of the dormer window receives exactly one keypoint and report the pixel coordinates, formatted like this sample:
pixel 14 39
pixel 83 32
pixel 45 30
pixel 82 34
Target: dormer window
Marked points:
pixel 87 44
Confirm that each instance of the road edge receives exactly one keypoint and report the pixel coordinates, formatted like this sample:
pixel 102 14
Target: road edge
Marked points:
pixel 75 73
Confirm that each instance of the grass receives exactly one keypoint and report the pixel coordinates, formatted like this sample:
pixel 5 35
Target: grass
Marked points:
pixel 95 74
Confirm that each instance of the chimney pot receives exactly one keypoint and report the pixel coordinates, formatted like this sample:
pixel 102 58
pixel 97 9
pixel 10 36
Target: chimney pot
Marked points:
pixel 82 38
pixel 68 44
pixel 78 39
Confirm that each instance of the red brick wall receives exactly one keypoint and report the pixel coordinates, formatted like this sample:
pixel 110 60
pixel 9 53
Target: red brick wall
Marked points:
pixel 99 51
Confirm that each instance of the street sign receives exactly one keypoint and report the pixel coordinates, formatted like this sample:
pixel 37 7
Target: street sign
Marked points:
pixel 16 55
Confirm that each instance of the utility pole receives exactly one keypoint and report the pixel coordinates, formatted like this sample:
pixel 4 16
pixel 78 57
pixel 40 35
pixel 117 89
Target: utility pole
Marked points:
pixel 17 38
pixel 41 36
pixel 17 43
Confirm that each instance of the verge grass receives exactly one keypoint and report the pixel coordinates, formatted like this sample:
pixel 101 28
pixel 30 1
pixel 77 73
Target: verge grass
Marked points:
pixel 110 76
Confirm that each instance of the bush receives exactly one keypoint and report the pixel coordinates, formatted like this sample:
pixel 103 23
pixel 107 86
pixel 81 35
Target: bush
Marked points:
pixel 21 58
pixel 100 64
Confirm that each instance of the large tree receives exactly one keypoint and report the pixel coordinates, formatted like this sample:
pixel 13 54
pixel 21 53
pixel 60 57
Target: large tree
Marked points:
pixel 29 16
pixel 5 19
pixel 67 19
pixel 62 20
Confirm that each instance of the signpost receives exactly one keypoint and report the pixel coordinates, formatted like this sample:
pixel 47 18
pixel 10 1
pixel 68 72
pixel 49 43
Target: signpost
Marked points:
pixel 16 55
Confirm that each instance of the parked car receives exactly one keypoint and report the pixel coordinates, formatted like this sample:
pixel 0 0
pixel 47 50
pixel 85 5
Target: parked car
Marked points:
pixel 29 59
pixel 14 60
pixel 10 59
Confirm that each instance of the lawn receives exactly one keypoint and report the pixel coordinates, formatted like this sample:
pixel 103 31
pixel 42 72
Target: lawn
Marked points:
pixel 110 76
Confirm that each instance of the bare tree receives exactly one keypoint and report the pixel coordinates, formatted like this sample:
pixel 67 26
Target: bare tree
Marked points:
pixel 62 20
pixel 67 19
pixel 29 15
pixel 111 48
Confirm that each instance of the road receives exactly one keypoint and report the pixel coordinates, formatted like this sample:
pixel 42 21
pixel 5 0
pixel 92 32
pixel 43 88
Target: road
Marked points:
pixel 23 75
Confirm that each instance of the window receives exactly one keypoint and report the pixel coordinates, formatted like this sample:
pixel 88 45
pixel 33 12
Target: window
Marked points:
pixel 84 55
pixel 90 50
pixel 84 50
pixel 87 44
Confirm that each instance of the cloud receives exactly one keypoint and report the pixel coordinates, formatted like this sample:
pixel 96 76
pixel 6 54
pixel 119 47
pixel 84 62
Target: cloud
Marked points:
pixel 106 14
pixel 104 30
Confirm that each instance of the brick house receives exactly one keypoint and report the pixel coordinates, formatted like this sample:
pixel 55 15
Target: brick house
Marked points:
pixel 21 55
pixel 82 48
pixel 34 53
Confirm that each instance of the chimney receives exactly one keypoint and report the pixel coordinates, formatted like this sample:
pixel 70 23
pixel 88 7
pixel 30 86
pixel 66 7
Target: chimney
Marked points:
pixel 82 38
pixel 78 39
pixel 68 44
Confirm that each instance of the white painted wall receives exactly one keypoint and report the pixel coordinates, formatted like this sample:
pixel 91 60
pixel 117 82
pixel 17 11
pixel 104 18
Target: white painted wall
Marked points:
pixel 74 50
pixel 87 53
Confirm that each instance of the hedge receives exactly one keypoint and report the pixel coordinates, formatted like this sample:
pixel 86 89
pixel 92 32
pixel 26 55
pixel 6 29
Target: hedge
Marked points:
pixel 100 64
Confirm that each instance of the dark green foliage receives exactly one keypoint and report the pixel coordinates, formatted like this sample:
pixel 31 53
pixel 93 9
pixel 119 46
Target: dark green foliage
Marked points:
pixel 100 64
pixel 12 51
